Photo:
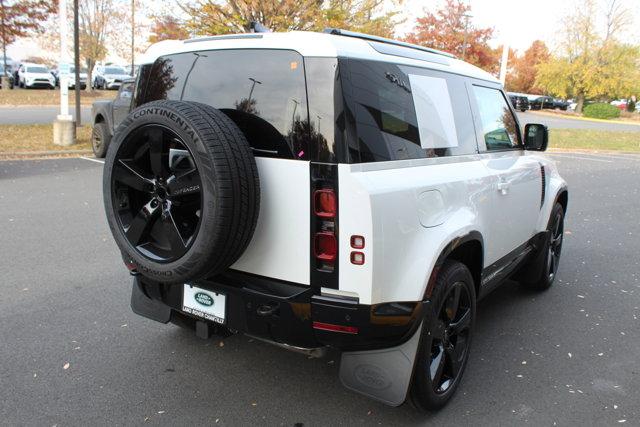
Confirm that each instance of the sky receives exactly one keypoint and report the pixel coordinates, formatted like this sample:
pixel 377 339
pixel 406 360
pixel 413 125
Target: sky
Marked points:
pixel 520 22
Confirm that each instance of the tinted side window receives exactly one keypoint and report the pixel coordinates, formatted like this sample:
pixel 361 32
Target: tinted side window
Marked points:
pixel 497 122
pixel 403 112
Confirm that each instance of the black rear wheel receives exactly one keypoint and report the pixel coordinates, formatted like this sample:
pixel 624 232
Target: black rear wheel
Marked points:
pixel 446 338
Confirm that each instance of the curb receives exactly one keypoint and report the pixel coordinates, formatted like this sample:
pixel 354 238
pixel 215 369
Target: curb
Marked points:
pixel 29 155
pixel 32 106
pixel 585 119
pixel 589 151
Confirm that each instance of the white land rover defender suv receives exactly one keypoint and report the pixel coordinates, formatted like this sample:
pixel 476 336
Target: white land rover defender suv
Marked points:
pixel 330 190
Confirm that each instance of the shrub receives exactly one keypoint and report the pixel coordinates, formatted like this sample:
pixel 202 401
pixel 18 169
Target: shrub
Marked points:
pixel 601 111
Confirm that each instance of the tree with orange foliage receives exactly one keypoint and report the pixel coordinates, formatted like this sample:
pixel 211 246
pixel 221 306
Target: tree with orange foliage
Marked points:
pixel 524 69
pixel 21 17
pixel 445 30
pixel 167 27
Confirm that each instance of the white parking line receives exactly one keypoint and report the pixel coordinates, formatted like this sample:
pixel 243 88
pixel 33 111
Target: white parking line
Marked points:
pixel 93 160
pixel 583 157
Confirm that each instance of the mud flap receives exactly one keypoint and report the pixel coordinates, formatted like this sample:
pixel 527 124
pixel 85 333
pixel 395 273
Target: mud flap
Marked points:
pixel 384 374
pixel 142 305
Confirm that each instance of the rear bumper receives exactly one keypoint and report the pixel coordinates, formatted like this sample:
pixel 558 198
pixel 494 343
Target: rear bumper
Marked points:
pixel 287 313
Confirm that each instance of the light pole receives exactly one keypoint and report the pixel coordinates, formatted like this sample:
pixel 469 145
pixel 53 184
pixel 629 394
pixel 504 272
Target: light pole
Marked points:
pixel 76 59
pixel 64 129
pixel 252 87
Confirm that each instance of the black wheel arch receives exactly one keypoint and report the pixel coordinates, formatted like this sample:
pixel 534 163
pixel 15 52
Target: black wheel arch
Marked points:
pixel 563 198
pixel 467 249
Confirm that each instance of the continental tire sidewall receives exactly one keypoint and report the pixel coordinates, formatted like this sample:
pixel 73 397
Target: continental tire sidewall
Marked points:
pixel 166 113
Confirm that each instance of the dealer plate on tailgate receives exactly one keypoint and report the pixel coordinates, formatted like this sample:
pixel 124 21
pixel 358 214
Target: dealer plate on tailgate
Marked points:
pixel 204 303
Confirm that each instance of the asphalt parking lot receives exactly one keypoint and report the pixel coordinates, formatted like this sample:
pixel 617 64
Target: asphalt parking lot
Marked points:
pixel 73 353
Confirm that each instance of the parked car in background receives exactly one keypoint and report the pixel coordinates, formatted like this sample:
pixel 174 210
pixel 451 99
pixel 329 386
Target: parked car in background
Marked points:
pixel 132 71
pixel 35 76
pixel 560 104
pixel 519 101
pixel 108 77
pixel 8 74
pixel 540 102
pixel 621 104
pixel 106 116
pixel 72 77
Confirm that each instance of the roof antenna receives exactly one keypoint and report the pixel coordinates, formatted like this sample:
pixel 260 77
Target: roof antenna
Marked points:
pixel 257 27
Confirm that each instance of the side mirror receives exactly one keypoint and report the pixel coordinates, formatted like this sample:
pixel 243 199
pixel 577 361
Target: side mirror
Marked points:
pixel 536 137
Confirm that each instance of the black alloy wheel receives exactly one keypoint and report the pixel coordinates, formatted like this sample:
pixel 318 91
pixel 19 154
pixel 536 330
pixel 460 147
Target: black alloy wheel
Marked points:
pixel 541 272
pixel 157 193
pixel 450 334
pixel 446 337
pixel 555 243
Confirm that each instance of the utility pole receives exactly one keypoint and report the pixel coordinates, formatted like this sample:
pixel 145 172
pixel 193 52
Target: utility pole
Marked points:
pixel 64 129
pixel 133 34
pixel 466 33
pixel 76 59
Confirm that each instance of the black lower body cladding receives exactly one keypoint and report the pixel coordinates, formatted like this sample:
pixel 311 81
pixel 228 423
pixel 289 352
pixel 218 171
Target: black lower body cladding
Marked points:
pixel 181 191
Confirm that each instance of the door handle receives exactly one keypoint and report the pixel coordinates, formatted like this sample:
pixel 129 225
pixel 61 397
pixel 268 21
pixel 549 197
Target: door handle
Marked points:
pixel 503 187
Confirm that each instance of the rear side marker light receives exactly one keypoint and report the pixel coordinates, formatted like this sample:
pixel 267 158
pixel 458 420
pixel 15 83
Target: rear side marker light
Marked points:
pixel 357 258
pixel 357 242
pixel 325 204
pixel 325 246
pixel 335 328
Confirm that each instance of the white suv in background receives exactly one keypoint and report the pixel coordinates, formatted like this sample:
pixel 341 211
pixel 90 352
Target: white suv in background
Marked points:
pixel 331 189
pixel 35 75
pixel 108 77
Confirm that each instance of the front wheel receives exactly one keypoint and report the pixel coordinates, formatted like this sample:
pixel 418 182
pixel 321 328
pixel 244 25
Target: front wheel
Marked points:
pixel 446 338
pixel 551 251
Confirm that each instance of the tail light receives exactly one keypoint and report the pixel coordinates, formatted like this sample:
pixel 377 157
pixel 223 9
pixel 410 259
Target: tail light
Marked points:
pixel 326 246
pixel 325 204
pixel 325 242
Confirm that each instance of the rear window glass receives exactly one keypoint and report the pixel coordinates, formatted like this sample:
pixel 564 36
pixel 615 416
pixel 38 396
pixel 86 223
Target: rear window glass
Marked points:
pixel 403 112
pixel 262 91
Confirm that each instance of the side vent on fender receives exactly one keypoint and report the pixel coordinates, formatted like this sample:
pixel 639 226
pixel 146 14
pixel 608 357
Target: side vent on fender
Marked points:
pixel 544 184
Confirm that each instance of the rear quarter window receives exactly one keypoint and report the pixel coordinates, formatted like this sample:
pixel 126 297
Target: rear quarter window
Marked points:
pixel 402 112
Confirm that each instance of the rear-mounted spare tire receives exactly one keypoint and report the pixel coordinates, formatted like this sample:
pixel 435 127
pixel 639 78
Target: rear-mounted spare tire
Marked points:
pixel 181 191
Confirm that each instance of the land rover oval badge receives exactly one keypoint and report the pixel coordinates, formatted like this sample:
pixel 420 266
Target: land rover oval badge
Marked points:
pixel 203 299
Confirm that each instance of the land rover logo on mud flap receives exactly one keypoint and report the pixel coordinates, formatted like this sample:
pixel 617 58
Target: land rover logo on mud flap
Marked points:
pixel 372 376
pixel 203 299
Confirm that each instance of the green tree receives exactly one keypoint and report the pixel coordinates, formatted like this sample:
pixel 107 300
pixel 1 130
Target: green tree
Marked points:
pixel 592 63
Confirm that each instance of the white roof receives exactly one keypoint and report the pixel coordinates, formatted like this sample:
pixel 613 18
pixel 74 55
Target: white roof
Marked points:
pixel 313 45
